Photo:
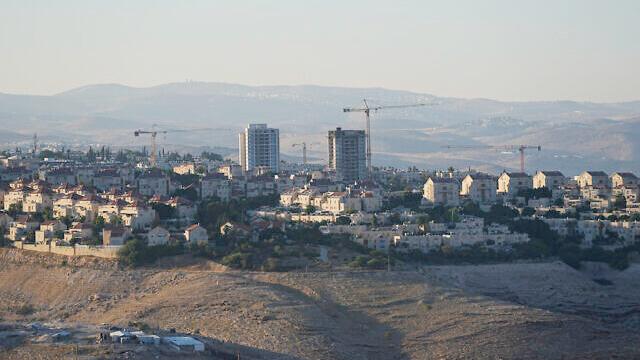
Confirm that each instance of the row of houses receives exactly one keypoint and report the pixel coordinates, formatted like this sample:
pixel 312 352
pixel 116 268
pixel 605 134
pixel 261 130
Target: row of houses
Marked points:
pixel 592 230
pixel 487 189
pixel 56 231
pixel 469 231
pixel 333 202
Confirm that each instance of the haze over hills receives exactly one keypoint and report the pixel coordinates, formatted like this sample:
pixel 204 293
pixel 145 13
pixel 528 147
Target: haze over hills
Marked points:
pixel 574 135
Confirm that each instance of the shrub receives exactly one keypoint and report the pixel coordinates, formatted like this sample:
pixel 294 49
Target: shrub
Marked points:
pixel 238 260
pixel 26 309
pixel 376 263
pixel 271 264
pixel 135 252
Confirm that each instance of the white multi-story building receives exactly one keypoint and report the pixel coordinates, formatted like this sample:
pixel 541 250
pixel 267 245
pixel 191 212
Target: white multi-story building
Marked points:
pixel 441 191
pixel 215 185
pixel 624 179
pixel 347 154
pixel 154 182
pixel 593 178
pixel 259 148
pixel 550 179
pixel 511 183
pixel 480 188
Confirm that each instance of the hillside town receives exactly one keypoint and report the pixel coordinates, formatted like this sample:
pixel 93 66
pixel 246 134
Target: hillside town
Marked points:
pixel 93 203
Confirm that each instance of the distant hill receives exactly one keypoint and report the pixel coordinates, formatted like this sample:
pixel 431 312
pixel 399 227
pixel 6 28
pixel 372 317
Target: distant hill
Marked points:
pixel 574 135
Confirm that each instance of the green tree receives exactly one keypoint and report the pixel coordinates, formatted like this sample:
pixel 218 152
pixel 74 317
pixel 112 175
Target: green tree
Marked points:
pixel 528 211
pixel 620 202
pixel 91 155
pixel 98 224
pixel 211 156
pixel 47 213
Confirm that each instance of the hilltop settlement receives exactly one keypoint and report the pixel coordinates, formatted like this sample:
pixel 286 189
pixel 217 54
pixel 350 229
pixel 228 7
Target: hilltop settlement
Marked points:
pixel 263 213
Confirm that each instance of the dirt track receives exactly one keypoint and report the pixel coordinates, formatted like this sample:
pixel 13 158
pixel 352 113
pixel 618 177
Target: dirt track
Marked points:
pixel 506 311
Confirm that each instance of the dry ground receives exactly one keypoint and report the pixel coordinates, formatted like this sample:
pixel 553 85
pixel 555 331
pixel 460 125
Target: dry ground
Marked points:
pixel 521 311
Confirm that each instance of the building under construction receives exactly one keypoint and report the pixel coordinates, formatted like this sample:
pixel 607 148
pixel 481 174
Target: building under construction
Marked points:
pixel 347 154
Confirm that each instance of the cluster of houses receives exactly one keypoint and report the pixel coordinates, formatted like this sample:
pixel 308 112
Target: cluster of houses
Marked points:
pixel 71 212
pixel 67 203
pixel 107 203
pixel 431 236
pixel 593 189
pixel 604 233
pixel 333 202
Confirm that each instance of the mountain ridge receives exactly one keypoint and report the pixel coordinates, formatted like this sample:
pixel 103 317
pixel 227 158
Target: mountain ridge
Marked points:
pixel 108 113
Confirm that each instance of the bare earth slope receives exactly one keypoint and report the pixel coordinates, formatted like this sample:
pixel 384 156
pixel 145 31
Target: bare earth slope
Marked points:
pixel 508 311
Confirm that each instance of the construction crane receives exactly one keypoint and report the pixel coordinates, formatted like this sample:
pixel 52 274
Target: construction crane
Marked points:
pixel 366 109
pixel 35 144
pixel 304 150
pixel 520 148
pixel 153 157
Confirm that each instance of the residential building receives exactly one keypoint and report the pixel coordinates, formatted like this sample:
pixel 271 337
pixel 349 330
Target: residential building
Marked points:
pixel 593 178
pixel 183 208
pixel 37 200
pixel 624 179
pixel 48 230
pixel 441 191
pixel 259 148
pixel 196 234
pixel 78 232
pixel 115 235
pixel 347 154
pixel 22 226
pixel 480 188
pixel 108 179
pixel 57 176
pixel 185 168
pixel 215 185
pixel 512 183
pixel 550 179
pixel 153 182
pixel 137 216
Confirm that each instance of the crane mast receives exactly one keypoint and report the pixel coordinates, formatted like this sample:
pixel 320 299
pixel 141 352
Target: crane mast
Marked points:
pixel 153 157
pixel 304 150
pixel 520 148
pixel 366 109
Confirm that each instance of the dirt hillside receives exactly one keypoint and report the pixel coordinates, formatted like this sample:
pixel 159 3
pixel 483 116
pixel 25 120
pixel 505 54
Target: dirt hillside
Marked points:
pixel 507 311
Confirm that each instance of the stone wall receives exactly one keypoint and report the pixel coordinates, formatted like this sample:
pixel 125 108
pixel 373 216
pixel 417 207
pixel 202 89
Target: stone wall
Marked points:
pixel 107 252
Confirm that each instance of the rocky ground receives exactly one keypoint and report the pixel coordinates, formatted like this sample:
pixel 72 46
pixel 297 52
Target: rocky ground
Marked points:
pixel 523 311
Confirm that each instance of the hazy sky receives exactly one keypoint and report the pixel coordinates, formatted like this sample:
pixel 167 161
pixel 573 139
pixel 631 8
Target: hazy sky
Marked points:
pixel 511 50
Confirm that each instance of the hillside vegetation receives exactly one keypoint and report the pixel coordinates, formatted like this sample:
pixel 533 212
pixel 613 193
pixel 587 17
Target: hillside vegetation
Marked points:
pixel 526 310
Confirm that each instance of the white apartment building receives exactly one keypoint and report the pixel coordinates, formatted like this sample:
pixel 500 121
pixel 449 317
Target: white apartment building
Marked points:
pixel 480 188
pixel 550 179
pixel 154 182
pixel 215 185
pixel 592 178
pixel 259 148
pixel 511 183
pixel 347 154
pixel 441 191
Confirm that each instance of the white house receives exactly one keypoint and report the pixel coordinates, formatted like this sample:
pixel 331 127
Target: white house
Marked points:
pixel 196 234
pixel 441 191
pixel 480 188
